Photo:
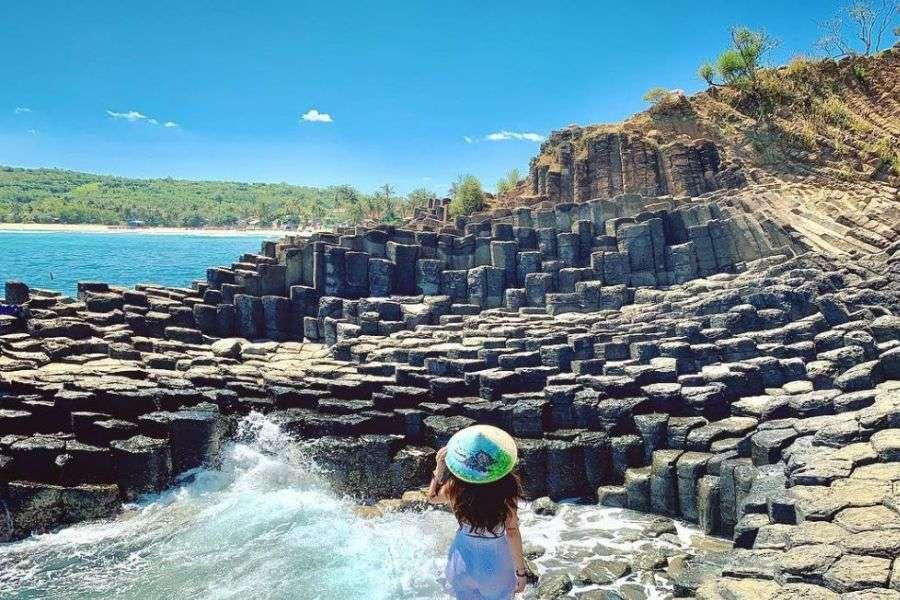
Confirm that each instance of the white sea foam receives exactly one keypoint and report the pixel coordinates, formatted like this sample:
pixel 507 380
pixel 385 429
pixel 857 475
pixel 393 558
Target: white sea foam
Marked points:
pixel 263 526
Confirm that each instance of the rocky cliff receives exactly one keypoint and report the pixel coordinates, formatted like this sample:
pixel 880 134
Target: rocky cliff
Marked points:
pixel 577 165
pixel 820 149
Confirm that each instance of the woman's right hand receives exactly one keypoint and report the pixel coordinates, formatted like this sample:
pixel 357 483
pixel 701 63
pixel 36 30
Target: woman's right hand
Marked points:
pixel 441 466
pixel 521 580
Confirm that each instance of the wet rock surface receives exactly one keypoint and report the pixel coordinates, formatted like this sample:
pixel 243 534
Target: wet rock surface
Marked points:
pixel 667 357
pixel 589 552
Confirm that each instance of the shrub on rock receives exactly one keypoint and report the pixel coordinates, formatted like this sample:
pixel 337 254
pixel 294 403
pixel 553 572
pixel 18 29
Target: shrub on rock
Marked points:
pixel 468 197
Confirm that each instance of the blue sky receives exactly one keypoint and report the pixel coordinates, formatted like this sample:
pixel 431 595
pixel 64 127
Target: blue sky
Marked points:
pixel 405 92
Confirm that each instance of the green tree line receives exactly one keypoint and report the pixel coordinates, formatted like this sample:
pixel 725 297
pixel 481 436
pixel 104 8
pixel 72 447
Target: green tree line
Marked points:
pixel 61 196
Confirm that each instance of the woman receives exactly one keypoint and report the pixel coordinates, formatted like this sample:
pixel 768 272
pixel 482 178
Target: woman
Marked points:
pixel 475 476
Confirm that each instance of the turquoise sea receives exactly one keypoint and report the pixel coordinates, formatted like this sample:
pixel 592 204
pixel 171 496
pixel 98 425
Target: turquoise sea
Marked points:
pixel 58 260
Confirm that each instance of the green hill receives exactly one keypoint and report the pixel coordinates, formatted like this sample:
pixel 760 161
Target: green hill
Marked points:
pixel 60 196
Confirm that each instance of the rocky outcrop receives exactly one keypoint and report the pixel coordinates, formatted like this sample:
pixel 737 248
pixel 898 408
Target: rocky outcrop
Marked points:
pixel 862 219
pixel 432 217
pixel 329 287
pixel 581 164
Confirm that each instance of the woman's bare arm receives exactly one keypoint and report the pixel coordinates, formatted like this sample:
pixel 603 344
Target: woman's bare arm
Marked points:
pixel 515 546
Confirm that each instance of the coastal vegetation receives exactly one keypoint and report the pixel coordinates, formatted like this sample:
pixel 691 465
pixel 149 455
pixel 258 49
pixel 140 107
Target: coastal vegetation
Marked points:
pixel 821 115
pixel 509 183
pixel 808 106
pixel 61 196
pixel 466 196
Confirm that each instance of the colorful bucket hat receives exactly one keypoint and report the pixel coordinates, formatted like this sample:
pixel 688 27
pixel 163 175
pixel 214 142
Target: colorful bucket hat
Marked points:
pixel 481 454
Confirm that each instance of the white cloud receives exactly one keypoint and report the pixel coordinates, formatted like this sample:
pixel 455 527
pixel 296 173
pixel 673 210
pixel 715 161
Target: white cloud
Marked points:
pixel 467 139
pixel 314 116
pixel 503 135
pixel 21 110
pixel 132 116
pixel 33 131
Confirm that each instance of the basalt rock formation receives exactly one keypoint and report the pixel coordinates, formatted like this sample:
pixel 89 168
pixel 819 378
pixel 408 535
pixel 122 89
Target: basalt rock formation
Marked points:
pixel 577 165
pixel 675 356
pixel 819 156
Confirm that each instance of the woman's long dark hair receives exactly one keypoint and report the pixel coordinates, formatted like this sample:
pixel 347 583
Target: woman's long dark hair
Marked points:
pixel 483 506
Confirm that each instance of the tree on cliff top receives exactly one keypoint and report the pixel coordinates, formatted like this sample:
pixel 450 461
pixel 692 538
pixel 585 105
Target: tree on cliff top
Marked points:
pixel 467 196
pixel 864 22
pixel 739 65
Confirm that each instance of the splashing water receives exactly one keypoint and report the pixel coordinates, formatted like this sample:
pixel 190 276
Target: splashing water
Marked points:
pixel 265 526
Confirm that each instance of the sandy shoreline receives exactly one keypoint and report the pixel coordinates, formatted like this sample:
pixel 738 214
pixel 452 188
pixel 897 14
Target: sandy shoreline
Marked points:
pixel 90 228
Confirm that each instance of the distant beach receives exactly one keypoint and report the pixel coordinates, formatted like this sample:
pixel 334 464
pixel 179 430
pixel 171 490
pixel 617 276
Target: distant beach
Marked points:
pixel 92 228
